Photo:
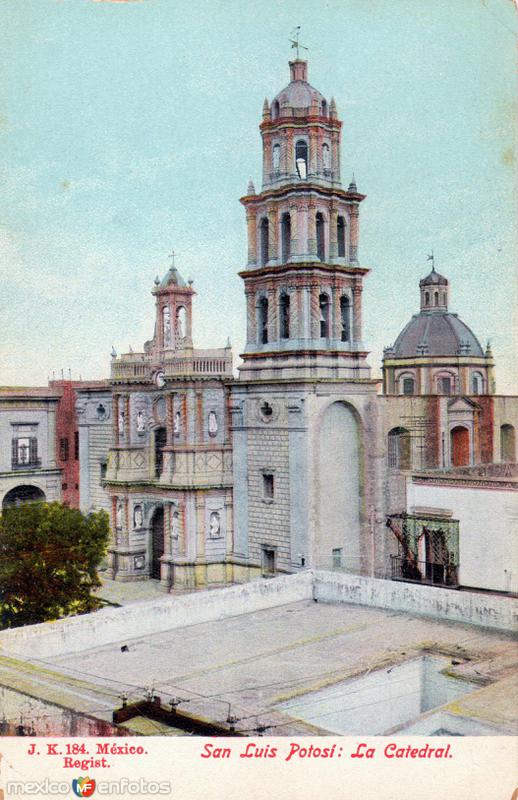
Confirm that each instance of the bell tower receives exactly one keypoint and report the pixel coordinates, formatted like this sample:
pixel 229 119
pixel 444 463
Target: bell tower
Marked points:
pixel 303 281
pixel 306 457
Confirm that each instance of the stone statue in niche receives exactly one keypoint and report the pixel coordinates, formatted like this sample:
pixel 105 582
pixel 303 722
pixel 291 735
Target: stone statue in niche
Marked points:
pixel 276 158
pixel 141 422
pixel 138 517
pixel 175 525
pixel 118 515
pixel 101 412
pixel 177 423
pixel 214 525
pixel 121 422
pixel 326 157
pixel 166 317
pixel 181 317
pixel 213 423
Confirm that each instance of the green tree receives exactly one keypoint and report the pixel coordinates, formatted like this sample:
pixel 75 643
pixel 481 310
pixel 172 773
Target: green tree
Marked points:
pixel 49 555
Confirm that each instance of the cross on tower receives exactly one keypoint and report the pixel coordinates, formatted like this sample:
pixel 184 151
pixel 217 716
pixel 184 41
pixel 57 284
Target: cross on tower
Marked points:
pixel 295 41
pixel 172 255
pixel 431 258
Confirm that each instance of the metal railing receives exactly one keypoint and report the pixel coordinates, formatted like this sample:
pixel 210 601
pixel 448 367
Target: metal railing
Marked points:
pixel 403 569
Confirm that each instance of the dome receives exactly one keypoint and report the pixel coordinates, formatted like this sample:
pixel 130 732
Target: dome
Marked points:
pixel 172 277
pixel 436 334
pixel 298 94
pixel 434 279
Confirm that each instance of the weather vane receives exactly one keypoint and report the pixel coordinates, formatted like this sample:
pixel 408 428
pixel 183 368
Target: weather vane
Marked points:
pixel 430 257
pixel 295 41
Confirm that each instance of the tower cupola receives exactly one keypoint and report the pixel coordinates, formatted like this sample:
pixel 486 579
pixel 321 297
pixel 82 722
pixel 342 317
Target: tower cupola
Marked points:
pixel 434 292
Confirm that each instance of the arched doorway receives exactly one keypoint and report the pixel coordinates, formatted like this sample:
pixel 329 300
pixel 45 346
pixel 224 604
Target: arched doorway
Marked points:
pixel 22 494
pixel 337 543
pixel 157 541
pixel 460 449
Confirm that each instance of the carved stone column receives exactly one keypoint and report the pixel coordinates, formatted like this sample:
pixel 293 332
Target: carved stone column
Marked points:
pixel 354 234
pixel 272 316
pixel 357 313
pixel 294 223
pixel 315 312
pixel 288 160
pixel 273 233
pixel 333 232
pixel 312 231
pixel 313 153
pixel 251 224
pixel 337 315
pixel 251 322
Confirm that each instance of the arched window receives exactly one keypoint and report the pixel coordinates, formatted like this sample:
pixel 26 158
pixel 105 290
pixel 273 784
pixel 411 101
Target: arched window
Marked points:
pixel 408 385
pixel 286 237
pixel 507 443
pixel 276 157
pixel 320 230
pixel 301 158
pixel 436 298
pixel 427 298
pixel 275 109
pixel 477 383
pixel 324 108
pixel 340 236
pixel 285 315
pixel 345 317
pixel 460 447
pixel 326 157
pixel 166 326
pixel 323 302
pixel 263 320
pixel 181 323
pixel 160 443
pixel 399 449
pixel 264 241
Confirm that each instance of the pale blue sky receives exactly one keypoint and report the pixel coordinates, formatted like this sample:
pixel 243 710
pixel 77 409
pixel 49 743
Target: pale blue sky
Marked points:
pixel 129 129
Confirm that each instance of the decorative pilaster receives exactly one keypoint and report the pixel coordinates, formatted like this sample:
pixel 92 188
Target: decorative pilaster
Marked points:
pixel 251 223
pixel 170 418
pixel 357 313
pixel 314 315
pixel 333 236
pixel 115 420
pixel 312 231
pixel 251 322
pixel 273 229
pixel 313 153
pixel 354 234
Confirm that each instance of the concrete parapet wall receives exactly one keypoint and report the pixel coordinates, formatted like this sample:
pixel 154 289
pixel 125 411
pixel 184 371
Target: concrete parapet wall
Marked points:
pixel 490 611
pixel 137 620
pixel 140 619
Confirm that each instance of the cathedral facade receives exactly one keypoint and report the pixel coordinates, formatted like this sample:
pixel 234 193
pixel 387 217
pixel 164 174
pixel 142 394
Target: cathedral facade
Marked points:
pixel 300 460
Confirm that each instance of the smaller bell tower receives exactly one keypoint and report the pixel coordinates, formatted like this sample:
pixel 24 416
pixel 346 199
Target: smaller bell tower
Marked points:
pixel 173 301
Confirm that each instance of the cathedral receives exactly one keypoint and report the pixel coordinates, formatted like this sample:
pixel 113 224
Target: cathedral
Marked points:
pixel 303 460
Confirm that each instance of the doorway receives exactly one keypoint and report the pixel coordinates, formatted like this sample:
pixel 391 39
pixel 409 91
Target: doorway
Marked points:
pixel 157 541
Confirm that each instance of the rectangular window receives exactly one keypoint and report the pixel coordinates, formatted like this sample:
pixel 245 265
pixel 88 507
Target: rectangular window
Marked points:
pixel 268 487
pixel 104 468
pixel 76 445
pixel 445 384
pixel 268 562
pixel 337 557
pixel 63 449
pixel 25 452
